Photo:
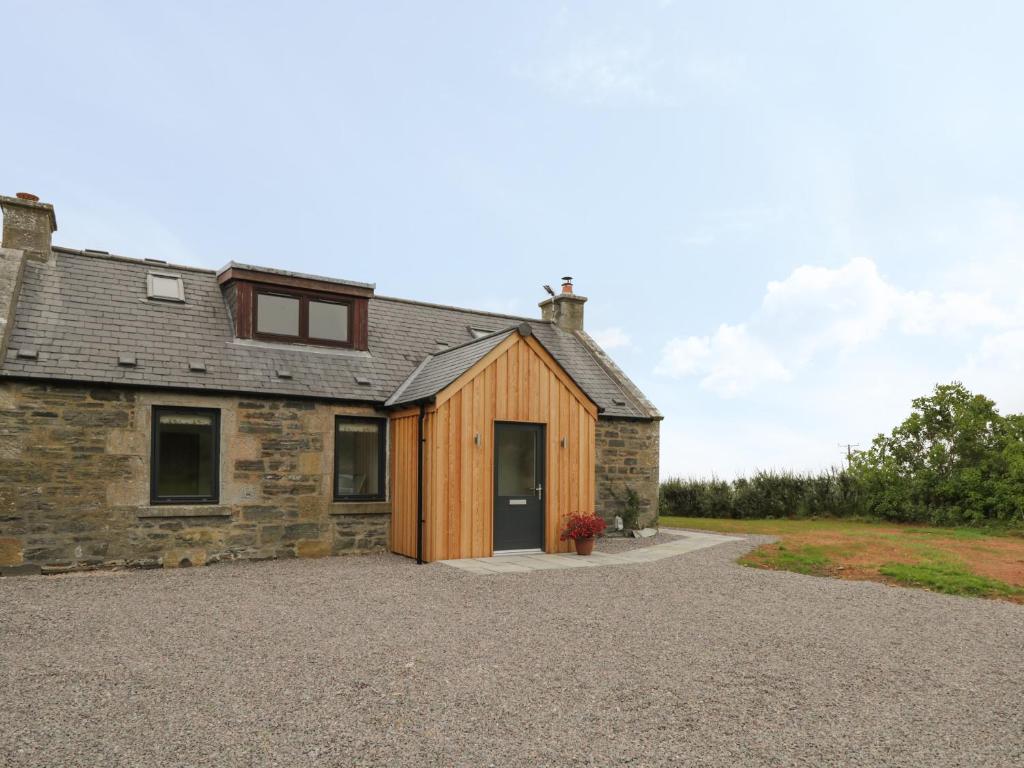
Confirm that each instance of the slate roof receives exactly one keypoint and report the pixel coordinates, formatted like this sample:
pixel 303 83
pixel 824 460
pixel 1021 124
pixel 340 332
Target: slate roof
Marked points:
pixel 439 370
pixel 83 311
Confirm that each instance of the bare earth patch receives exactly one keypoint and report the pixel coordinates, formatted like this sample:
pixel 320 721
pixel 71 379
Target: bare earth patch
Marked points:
pixel 953 560
pixel 1001 559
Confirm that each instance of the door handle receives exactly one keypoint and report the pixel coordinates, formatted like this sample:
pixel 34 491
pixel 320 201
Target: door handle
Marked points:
pixel 540 491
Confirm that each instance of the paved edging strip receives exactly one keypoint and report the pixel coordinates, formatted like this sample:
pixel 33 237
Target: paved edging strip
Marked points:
pixel 688 541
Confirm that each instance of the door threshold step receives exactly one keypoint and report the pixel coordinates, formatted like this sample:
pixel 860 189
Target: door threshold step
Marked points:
pixel 503 552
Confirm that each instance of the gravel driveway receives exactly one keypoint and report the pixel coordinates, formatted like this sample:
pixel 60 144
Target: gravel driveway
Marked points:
pixel 373 660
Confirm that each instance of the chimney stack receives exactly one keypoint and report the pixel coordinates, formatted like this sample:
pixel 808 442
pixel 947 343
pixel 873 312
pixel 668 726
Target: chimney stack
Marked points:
pixel 28 225
pixel 564 309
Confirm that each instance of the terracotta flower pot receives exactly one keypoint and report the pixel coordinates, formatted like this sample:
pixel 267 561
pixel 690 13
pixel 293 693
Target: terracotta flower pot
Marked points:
pixel 584 546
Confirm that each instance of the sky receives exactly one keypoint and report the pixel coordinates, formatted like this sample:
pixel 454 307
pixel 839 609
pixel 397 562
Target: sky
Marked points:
pixel 790 218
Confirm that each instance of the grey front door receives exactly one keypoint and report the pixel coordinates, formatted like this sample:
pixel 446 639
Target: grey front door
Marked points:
pixel 518 486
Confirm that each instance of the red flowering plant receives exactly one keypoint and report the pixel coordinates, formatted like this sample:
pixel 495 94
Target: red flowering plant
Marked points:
pixel 581 525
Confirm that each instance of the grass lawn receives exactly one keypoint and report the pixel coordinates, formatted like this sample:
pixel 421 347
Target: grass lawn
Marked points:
pixel 957 561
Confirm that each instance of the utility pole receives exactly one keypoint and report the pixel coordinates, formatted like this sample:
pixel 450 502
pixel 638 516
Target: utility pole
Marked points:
pixel 849 452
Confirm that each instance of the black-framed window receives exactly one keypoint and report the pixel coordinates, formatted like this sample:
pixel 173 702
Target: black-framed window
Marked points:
pixel 360 458
pixel 285 315
pixel 185 459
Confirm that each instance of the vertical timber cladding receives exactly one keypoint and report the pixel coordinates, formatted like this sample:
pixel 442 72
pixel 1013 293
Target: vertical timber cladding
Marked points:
pixel 404 431
pixel 517 381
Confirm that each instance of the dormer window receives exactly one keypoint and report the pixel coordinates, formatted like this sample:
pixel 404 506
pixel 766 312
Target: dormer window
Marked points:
pixel 275 305
pixel 164 287
pixel 296 316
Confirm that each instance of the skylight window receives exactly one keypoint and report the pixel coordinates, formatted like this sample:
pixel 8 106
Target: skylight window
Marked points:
pixel 164 287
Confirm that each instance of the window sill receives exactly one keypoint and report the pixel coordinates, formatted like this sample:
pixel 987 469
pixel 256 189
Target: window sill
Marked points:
pixel 308 341
pixel 184 510
pixel 360 508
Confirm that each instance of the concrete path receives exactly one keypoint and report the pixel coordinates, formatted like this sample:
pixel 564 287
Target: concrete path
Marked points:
pixel 688 541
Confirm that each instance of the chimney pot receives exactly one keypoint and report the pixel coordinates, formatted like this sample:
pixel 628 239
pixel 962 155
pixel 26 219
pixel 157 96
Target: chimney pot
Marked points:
pixel 567 284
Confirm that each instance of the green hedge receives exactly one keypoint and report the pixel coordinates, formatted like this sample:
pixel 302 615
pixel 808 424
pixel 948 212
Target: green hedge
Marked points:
pixel 833 493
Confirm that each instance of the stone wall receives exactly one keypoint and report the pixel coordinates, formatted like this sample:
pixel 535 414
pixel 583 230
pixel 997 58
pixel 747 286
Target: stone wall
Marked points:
pixel 75 469
pixel 627 457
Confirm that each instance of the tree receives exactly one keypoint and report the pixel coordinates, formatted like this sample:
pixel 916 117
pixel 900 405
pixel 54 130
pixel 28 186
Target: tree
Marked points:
pixel 954 460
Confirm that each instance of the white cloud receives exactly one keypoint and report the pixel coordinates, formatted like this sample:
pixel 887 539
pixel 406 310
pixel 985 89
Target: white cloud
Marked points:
pixel 684 357
pixel 831 307
pixel 630 62
pixel 730 363
pixel 952 312
pixel 612 338
pixel 821 311
pixel 853 304
pixel 596 71
pixel 996 369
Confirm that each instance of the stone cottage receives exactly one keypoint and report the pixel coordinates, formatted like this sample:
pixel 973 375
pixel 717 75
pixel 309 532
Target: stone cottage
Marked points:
pixel 157 414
